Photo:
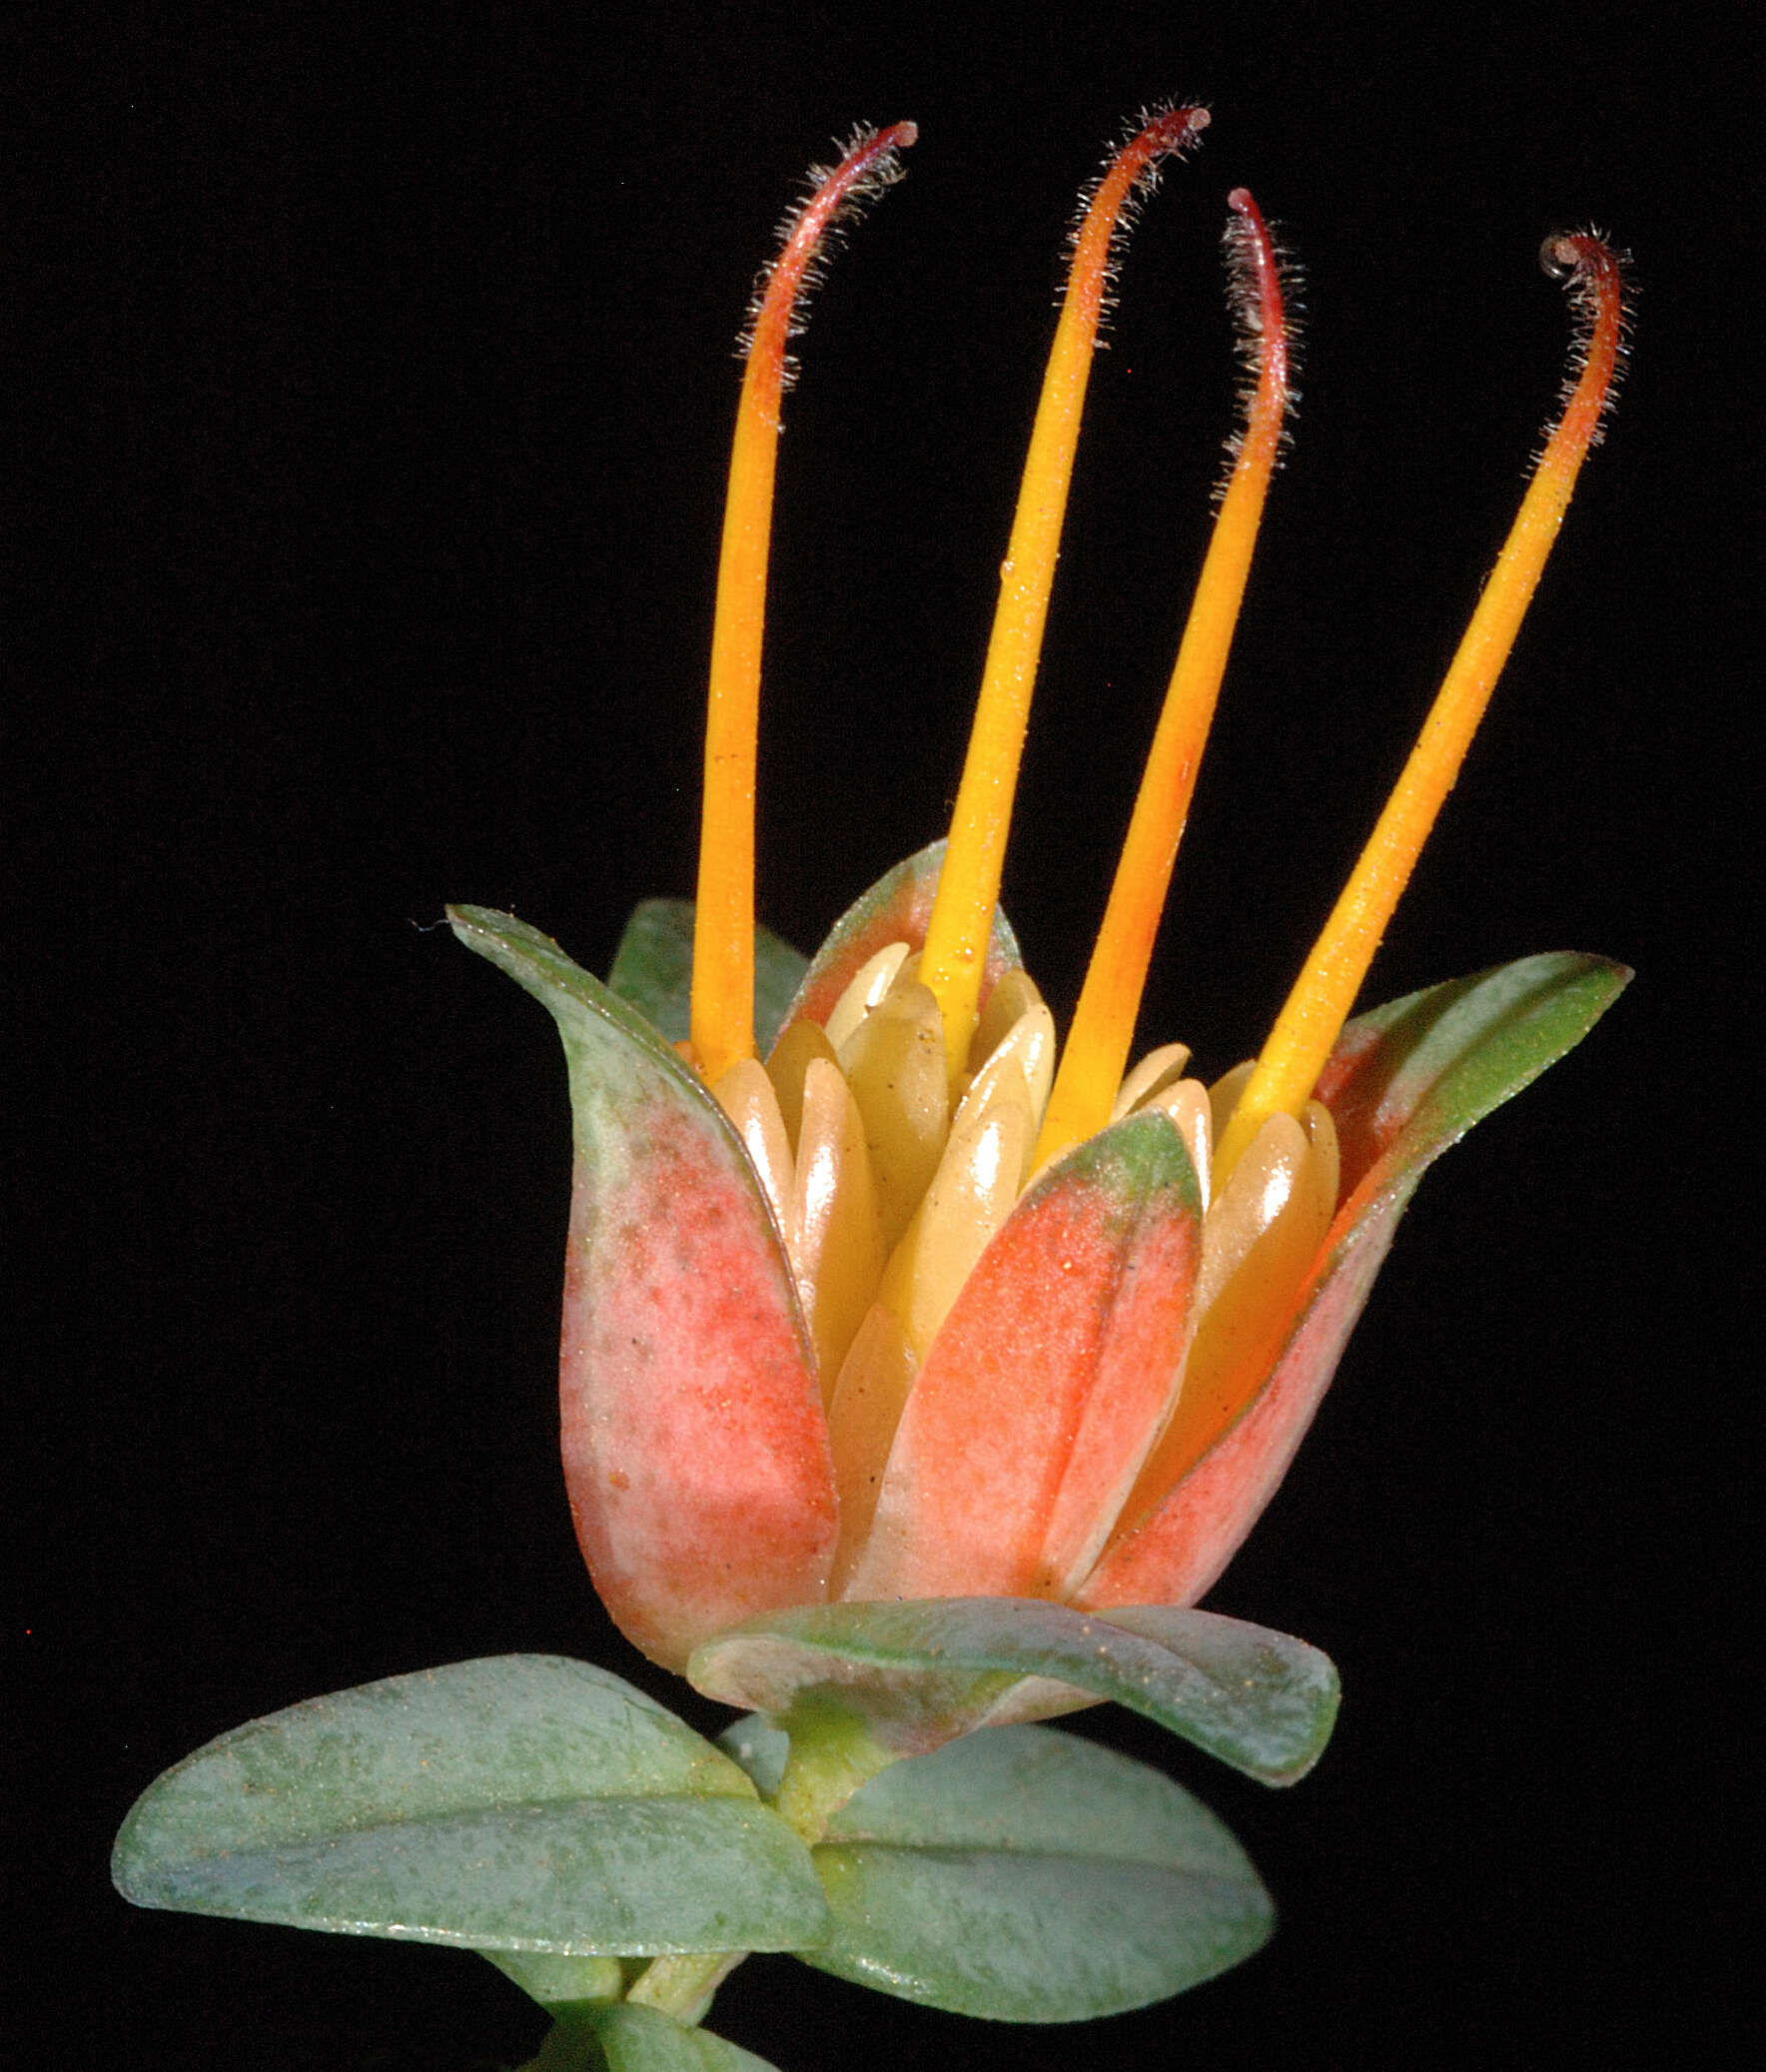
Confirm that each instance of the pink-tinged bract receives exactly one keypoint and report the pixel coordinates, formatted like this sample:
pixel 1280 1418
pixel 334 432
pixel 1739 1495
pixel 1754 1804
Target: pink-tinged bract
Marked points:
pixel 695 1453
pixel 1047 1382
pixel 1405 1082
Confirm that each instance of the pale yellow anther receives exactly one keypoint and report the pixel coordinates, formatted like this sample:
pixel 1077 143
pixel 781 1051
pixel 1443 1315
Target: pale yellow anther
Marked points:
pixel 1325 1167
pixel 868 1400
pixel 971 1195
pixel 746 1096
pixel 1157 1069
pixel 1259 1241
pixel 791 1057
pixel 1261 1187
pixel 1006 1005
pixel 894 1062
pixel 866 990
pixel 1027 1053
pixel 831 1231
pixel 1223 1097
pixel 1250 1306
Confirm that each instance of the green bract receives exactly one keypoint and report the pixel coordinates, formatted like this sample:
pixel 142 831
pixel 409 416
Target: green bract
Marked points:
pixel 1256 1699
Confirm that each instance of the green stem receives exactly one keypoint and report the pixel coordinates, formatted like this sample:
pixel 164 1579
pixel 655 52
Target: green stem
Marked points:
pixel 832 1755
pixel 682 1987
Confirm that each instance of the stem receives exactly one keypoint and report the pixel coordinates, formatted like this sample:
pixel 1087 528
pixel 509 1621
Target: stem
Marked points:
pixel 682 1985
pixel 832 1755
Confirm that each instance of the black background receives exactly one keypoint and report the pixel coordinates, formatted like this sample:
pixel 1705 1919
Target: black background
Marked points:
pixel 375 379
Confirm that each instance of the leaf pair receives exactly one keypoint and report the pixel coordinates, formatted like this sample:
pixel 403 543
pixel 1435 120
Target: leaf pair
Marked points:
pixel 549 1815
pixel 1023 1876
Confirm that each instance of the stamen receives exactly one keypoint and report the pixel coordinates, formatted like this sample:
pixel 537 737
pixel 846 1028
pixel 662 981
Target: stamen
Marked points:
pixel 1261 1236
pixel 1104 1022
pixel 893 1064
pixel 1157 1070
pixel 831 1229
pixel 723 1016
pixel 865 992
pixel 968 885
pixel 1311 1022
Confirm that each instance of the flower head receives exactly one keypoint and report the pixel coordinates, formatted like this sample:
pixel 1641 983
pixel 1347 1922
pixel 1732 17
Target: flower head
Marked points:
pixel 902 1300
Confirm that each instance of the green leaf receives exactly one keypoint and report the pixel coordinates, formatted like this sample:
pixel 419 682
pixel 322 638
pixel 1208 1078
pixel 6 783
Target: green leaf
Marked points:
pixel 1027 1877
pixel 561 1982
pixel 522 1802
pixel 653 970
pixel 640 2039
pixel 924 1670
pixel 761 1749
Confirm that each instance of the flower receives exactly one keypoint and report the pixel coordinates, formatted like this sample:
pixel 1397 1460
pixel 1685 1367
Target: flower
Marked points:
pixel 916 1307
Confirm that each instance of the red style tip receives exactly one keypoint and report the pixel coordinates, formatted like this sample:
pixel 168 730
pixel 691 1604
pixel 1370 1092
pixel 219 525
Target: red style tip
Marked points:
pixel 1593 273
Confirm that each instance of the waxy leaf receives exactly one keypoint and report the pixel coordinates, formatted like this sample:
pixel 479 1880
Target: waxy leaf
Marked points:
pixel 924 1670
pixel 760 1747
pixel 522 1802
pixel 1027 1877
pixel 696 1450
pixel 638 2040
pixel 561 1982
pixel 653 972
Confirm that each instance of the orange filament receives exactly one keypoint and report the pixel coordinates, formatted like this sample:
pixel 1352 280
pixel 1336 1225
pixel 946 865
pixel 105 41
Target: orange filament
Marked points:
pixel 723 1016
pixel 968 888
pixel 1104 1023
pixel 1310 1023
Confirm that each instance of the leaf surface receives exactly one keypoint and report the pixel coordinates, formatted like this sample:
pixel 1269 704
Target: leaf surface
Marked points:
pixel 638 2040
pixel 519 1802
pixel 1024 1875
